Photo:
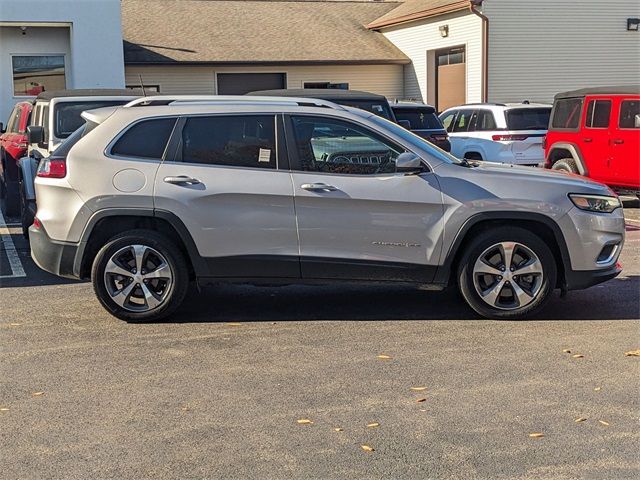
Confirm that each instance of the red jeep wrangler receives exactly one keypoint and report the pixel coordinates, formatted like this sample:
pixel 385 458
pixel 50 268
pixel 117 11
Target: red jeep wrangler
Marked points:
pixel 595 132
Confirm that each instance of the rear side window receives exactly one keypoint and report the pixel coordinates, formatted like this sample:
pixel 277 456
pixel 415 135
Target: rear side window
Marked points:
pixel 630 114
pixel 566 113
pixel 598 112
pixel 237 141
pixel 145 139
pixel 528 118
pixel 485 120
pixel 419 118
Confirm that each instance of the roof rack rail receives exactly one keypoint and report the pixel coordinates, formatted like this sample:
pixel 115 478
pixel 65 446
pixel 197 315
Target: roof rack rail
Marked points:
pixel 485 103
pixel 228 100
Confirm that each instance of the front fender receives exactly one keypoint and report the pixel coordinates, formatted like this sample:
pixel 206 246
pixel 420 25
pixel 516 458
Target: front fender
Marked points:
pixel 28 167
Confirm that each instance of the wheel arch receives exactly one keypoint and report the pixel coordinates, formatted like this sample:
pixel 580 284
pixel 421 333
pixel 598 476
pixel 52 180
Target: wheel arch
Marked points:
pixel 562 150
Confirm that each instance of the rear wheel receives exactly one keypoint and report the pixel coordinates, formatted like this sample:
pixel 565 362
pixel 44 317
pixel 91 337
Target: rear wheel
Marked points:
pixel 507 272
pixel 566 165
pixel 140 276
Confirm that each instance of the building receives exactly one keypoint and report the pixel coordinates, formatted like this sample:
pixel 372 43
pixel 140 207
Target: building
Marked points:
pixel 54 44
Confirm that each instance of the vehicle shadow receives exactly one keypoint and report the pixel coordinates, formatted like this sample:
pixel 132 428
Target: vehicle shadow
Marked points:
pixel 618 299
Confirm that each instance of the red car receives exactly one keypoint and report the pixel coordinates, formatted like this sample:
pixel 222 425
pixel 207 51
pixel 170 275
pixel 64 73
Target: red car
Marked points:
pixel 13 146
pixel 595 132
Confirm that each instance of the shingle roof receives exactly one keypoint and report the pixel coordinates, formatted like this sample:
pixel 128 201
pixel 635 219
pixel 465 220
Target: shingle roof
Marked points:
pixel 417 9
pixel 250 31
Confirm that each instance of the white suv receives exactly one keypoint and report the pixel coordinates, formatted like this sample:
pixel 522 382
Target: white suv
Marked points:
pixel 146 197
pixel 505 133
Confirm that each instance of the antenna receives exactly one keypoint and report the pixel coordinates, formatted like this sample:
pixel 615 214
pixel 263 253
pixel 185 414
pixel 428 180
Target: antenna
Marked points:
pixel 144 94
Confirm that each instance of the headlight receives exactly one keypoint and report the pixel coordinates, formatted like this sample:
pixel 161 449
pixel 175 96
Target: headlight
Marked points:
pixel 595 203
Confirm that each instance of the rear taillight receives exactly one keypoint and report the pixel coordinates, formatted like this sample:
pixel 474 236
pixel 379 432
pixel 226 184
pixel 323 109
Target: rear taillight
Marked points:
pixel 509 138
pixel 55 167
pixel 36 223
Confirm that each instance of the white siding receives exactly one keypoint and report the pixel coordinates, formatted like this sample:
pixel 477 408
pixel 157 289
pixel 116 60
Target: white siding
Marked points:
pixel 417 38
pixel 177 79
pixel 537 50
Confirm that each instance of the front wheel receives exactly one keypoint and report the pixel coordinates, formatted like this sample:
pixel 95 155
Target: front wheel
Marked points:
pixel 507 272
pixel 140 276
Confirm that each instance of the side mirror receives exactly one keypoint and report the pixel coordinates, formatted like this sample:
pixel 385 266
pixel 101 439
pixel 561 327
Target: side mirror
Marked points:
pixel 409 164
pixel 2 130
pixel 405 124
pixel 35 134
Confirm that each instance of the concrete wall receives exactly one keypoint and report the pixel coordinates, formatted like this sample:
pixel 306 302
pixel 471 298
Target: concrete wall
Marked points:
pixel 87 32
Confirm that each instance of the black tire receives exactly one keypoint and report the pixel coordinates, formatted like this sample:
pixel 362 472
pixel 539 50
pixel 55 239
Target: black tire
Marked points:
pixel 177 263
pixel 483 242
pixel 566 165
pixel 473 156
pixel 27 209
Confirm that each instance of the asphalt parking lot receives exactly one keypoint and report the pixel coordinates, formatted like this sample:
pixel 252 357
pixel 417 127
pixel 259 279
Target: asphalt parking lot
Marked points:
pixel 290 382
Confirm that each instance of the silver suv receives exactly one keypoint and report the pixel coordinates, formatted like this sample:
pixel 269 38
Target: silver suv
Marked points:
pixel 147 197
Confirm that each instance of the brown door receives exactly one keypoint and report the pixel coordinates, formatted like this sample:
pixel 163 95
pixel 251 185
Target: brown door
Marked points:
pixel 452 78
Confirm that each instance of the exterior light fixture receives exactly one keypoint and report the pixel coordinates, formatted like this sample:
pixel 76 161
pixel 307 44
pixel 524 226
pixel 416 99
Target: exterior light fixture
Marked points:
pixel 444 30
pixel 632 24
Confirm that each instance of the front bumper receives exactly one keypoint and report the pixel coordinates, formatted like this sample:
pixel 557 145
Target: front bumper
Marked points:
pixel 50 255
pixel 581 279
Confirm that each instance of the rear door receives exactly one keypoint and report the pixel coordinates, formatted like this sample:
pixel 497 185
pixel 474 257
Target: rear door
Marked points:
pixel 595 139
pixel 625 142
pixel 357 217
pixel 232 190
pixel 460 131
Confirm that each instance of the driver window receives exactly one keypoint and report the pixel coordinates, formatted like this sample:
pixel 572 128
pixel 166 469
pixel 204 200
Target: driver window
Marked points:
pixel 334 146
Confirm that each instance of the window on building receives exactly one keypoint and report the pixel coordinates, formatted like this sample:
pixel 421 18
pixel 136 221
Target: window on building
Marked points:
pixel 147 88
pixel 566 113
pixel 145 139
pixel 630 114
pixel 334 146
pixel 598 112
pixel 236 141
pixel 35 74
pixel 339 86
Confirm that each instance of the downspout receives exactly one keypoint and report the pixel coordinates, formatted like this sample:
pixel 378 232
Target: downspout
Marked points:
pixel 485 47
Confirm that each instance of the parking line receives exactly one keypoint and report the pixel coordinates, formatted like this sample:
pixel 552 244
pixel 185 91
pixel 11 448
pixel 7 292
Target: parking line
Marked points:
pixel 10 251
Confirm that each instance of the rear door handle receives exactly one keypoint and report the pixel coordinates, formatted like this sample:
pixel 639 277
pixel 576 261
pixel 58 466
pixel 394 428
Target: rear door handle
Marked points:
pixel 587 140
pixel 618 141
pixel 318 186
pixel 181 180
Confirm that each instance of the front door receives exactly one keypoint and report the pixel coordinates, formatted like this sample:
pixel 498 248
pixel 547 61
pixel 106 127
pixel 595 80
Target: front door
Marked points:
pixel 625 142
pixel 225 186
pixel 357 217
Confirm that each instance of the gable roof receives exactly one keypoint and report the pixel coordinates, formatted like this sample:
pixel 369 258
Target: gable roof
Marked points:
pixel 253 31
pixel 418 9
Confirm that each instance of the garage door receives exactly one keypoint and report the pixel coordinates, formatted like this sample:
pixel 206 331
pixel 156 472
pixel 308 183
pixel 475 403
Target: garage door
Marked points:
pixel 452 78
pixel 241 83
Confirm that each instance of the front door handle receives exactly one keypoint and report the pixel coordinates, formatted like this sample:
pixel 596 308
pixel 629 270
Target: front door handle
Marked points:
pixel 618 141
pixel 318 187
pixel 182 180
pixel 587 140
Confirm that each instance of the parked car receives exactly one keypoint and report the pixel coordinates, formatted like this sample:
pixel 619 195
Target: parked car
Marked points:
pixel 56 115
pixel 370 102
pixel 596 132
pixel 144 199
pixel 422 120
pixel 13 146
pixel 498 132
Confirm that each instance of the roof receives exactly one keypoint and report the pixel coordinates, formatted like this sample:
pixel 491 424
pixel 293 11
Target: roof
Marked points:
pixel 418 9
pixel 617 90
pixel 89 92
pixel 321 93
pixel 407 105
pixel 250 31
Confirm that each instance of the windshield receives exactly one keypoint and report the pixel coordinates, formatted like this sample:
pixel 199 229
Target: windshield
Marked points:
pixel 379 108
pixel 415 140
pixel 419 118
pixel 528 118
pixel 67 117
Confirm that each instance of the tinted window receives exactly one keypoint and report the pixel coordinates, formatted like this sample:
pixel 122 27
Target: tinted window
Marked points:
pixel 68 118
pixel 238 141
pixel 419 118
pixel 145 139
pixel 334 146
pixel 45 122
pixel 528 118
pixel 463 121
pixel 598 112
pixel 630 114
pixel 447 120
pixel 566 113
pixel 485 120
pixel 379 108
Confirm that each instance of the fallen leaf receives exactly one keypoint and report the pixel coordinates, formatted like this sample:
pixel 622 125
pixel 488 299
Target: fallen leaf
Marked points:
pixel 597 389
pixel 373 425
pixel 184 409
pixel 337 429
pixel 577 355
pixel 536 435
pixel 367 448
pixel 384 357
pixel 566 350
pixel 420 400
pixel 632 353
pixel 37 394
pixel 581 419
pixel 304 421
pixel 418 389
pixel 606 424
pixel 233 324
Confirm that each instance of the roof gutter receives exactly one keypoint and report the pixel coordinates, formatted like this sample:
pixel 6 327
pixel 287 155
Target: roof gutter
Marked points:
pixel 485 47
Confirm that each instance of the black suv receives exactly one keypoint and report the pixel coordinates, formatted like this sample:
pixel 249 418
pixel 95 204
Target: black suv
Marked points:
pixel 422 120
